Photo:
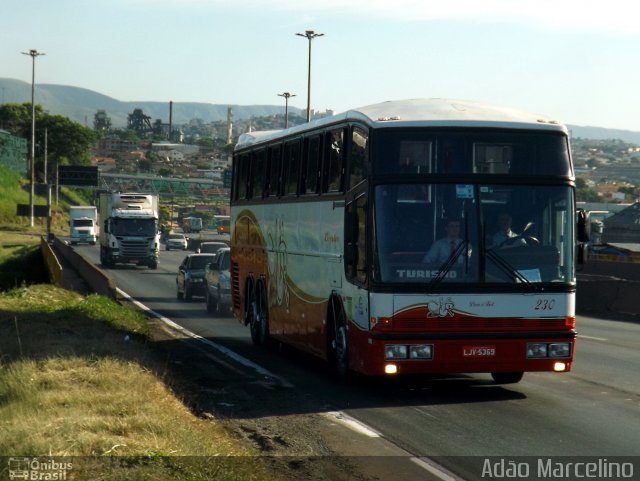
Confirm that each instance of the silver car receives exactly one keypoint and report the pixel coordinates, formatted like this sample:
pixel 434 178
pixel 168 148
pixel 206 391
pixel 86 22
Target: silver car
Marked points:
pixel 177 241
pixel 217 279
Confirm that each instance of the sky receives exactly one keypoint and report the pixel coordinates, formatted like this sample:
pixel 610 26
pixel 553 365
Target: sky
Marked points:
pixel 573 60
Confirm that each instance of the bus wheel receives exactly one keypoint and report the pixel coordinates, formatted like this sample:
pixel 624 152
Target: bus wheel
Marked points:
pixel 259 323
pixel 507 377
pixel 339 342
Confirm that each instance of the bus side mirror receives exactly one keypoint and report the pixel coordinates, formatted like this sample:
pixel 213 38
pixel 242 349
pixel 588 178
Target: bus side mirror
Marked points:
pixel 582 217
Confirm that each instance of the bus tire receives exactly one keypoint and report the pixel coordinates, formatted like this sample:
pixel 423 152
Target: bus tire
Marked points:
pixel 259 323
pixel 507 377
pixel 338 340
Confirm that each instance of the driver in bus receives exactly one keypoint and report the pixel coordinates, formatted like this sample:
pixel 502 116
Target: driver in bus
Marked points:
pixel 505 236
pixel 444 248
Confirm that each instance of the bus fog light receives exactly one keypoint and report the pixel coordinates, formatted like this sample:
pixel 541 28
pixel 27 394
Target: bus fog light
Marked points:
pixel 535 350
pixel 560 350
pixel 395 351
pixel 560 366
pixel 390 369
pixel 421 351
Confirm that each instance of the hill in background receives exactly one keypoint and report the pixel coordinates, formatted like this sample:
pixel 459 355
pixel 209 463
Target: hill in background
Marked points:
pixel 82 104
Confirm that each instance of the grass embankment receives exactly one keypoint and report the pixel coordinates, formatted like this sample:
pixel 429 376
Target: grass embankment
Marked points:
pixel 75 380
pixel 78 377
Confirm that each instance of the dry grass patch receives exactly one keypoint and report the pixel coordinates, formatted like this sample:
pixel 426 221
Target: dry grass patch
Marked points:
pixel 77 379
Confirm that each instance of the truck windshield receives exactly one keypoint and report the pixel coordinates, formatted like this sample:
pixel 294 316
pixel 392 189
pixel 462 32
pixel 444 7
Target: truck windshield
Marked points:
pixel 437 233
pixel 82 222
pixel 133 227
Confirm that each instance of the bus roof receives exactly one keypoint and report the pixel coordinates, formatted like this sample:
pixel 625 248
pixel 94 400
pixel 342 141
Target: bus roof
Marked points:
pixel 437 112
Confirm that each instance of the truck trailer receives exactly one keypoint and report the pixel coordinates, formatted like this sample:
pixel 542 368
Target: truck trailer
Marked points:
pixel 83 224
pixel 129 229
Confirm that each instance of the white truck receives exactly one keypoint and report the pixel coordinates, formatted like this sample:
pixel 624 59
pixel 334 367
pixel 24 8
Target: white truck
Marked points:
pixel 128 229
pixel 83 224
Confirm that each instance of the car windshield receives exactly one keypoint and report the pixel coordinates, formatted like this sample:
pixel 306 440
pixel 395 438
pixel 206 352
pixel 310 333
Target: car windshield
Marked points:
pixel 199 262
pixel 211 247
pixel 176 236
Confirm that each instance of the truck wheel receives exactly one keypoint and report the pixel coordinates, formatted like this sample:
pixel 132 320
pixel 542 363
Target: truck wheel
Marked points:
pixel 153 265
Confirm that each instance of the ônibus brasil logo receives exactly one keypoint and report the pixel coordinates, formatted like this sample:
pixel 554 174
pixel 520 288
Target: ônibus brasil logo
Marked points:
pixel 38 469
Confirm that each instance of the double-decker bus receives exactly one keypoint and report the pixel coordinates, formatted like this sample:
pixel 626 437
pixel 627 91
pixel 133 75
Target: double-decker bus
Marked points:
pixel 334 226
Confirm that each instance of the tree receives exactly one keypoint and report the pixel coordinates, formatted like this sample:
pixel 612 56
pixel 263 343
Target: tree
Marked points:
pixel 65 139
pixel 68 142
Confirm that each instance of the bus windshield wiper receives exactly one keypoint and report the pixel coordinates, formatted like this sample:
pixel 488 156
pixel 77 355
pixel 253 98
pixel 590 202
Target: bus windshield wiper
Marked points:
pixel 508 269
pixel 450 262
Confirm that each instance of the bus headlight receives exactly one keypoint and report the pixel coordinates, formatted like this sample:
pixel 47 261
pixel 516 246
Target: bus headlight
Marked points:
pixel 560 350
pixel 421 351
pixel 538 349
pixel 395 351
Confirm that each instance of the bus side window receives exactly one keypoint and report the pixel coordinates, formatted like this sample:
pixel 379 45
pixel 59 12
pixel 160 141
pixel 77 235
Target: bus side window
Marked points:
pixel 333 168
pixel 291 167
pixel 359 154
pixel 243 176
pixel 259 160
pixel 273 173
pixel 311 166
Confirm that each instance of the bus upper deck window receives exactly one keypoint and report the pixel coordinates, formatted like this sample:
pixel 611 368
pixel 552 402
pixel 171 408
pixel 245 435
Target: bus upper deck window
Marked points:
pixel 492 158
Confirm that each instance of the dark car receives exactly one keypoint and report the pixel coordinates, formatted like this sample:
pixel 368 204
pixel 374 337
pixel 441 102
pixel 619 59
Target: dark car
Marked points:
pixel 218 282
pixel 190 278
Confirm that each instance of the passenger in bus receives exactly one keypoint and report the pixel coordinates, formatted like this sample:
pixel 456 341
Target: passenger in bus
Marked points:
pixel 444 248
pixel 505 237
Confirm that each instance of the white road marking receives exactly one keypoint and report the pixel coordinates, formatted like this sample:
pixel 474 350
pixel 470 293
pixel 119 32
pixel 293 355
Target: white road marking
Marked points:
pixel 351 423
pixel 227 352
pixel 438 471
pixel 592 338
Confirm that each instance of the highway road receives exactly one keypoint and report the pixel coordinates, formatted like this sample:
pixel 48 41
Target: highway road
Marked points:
pixel 593 411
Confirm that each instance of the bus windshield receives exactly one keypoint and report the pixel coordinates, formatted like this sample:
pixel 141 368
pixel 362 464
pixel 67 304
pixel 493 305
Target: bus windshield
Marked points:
pixel 473 233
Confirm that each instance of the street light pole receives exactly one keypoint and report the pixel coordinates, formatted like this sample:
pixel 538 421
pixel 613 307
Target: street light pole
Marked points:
pixel 286 96
pixel 310 35
pixel 33 53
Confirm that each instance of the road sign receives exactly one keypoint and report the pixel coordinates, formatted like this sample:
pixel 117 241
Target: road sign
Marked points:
pixel 78 175
pixel 24 210
pixel 226 179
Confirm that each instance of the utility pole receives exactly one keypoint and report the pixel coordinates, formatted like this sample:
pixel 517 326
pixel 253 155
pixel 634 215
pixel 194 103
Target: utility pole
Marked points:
pixel 286 96
pixel 33 53
pixel 310 35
